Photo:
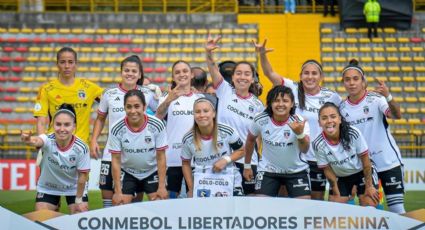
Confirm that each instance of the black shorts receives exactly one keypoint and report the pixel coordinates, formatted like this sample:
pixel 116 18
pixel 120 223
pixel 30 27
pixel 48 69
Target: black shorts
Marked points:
pixel 346 184
pixel 317 178
pixel 55 199
pixel 248 186
pixel 131 185
pixel 392 180
pixel 105 178
pixel 297 184
pixel 175 179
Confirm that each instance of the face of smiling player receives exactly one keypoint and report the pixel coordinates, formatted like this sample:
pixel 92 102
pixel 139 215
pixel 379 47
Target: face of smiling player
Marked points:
pixel 330 121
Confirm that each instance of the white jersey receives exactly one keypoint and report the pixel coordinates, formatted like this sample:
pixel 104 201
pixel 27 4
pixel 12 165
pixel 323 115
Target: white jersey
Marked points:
pixel 59 174
pixel 281 153
pixel 228 140
pixel 179 121
pixel 138 147
pixel 369 116
pixel 237 112
pixel 112 105
pixel 311 111
pixel 343 162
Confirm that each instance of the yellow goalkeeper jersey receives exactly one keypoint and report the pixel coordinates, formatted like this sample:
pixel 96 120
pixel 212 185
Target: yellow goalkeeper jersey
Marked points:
pixel 81 95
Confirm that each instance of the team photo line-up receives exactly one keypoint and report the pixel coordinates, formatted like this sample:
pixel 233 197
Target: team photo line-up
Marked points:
pixel 304 137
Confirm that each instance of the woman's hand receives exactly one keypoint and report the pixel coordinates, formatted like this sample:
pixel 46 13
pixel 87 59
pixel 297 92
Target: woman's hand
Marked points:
pixel 261 48
pixel 211 43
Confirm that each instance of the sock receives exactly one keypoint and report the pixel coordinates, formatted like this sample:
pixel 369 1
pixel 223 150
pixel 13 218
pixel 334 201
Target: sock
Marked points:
pixel 107 203
pixel 395 203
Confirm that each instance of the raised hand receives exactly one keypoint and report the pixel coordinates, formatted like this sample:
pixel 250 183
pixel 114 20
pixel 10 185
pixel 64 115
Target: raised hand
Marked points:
pixel 26 137
pixel 212 43
pixel 382 88
pixel 261 48
pixel 297 126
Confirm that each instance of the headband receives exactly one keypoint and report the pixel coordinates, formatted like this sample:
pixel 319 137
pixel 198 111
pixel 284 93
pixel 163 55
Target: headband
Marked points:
pixel 354 68
pixel 313 63
pixel 64 111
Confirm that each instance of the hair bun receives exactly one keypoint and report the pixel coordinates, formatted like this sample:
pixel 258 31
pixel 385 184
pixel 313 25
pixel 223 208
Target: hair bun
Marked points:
pixel 354 62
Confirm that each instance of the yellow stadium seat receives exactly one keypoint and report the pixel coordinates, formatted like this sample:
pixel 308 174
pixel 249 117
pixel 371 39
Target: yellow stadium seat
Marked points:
pixel 404 49
pixel 111 49
pixel 201 31
pixel 176 31
pixel 239 31
pixel 150 50
pixel 352 49
pixel 188 49
pixel 175 49
pixel 252 31
pixel 107 79
pixel 64 30
pixel 127 31
pixel 339 68
pixel 26 30
pixel 30 68
pixel 391 49
pixel 339 40
pixel 238 49
pixel 365 49
pixel 47 49
pixel 239 40
pixel 351 30
pixel 89 31
pixel 410 99
pixel 151 40
pixel 199 59
pixel 52 31
pixel 364 40
pixel 84 59
pixel 417 49
pixel 329 79
pixel 394 79
pixel 340 59
pixel 421 89
pixel 327 49
pixel 99 49
pixel 393 68
pixel 20 109
pixel 406 68
pixel 377 40
pixel 366 59
pixel 101 31
pixel 390 40
pixel 165 31
pixel 420 78
pixel 162 50
pixel 163 41
pixel 368 68
pixel 139 31
pixel 396 89
pixel 95 69
pixel 214 31
pixel 352 40
pixel 138 40
pixel 23 99
pixel 408 79
pixel 39 30
pixel 403 39
pixel 32 59
pixel 34 49
pixel 398 99
pixel 378 49
pixel 392 59
pixel 326 40
pixel 226 31
pixel 328 69
pixel 418 59
pixel 115 31
pixel 422 100
pixel 97 59
pixel 225 49
pixel 162 59
pixel 380 68
pixel 109 69
pixel 86 49
pixel 327 59
pixel 77 30
pixel 412 110
pixel 83 69
pixel 188 40
pixel 379 59
pixel 420 68
pixel 326 30
pixel 152 31
pixel 46 59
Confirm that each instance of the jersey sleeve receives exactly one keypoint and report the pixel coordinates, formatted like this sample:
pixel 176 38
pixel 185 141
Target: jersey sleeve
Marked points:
pixel 223 90
pixel 383 105
pixel 235 141
pixel 115 143
pixel 103 105
pixel 153 103
pixel 41 106
pixel 45 140
pixel 255 129
pixel 320 154
pixel 336 99
pixel 162 99
pixel 83 164
pixel 161 142
pixel 360 144
pixel 186 154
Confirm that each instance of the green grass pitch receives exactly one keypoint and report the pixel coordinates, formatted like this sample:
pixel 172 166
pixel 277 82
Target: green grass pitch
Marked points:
pixel 23 201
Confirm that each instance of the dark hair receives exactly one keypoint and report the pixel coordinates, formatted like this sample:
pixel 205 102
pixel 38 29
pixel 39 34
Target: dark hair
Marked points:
pixel 63 50
pixel 354 64
pixel 68 109
pixel 274 93
pixel 344 127
pixel 135 59
pixel 226 69
pixel 137 93
pixel 301 93
pixel 173 83
pixel 200 79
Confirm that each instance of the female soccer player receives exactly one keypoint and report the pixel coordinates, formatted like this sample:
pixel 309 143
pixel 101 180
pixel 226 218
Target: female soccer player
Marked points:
pixel 285 140
pixel 368 112
pixel 78 92
pixel 342 152
pixel 176 107
pixel 238 104
pixel 65 165
pixel 211 145
pixel 309 97
pixel 137 144
pixel 112 106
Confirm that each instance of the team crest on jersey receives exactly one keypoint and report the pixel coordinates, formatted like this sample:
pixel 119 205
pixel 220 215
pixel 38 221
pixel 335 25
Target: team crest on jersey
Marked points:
pixel 286 134
pixel 82 94
pixel 263 122
pixel 251 109
pixel 366 110
pixel 219 144
pixel 148 139
pixel 72 159
pixel 321 101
